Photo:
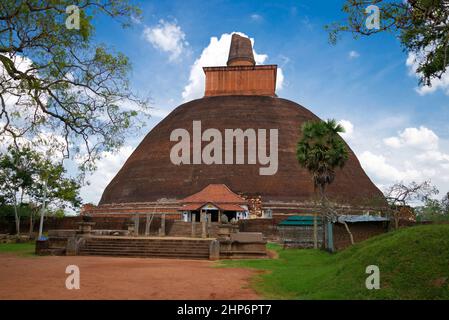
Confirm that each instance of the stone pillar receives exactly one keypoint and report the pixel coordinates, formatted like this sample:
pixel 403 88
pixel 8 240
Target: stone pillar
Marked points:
pixel 214 250
pixel 162 229
pixel 147 225
pixel 85 228
pixel 71 246
pixel 193 224
pixel 136 225
pixel 202 216
pixel 209 224
pixel 203 229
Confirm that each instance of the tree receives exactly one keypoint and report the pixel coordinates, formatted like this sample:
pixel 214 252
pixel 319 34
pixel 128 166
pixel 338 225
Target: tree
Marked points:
pixel 421 25
pixel 51 187
pixel 55 80
pixel 400 195
pixel 26 173
pixel 321 151
pixel 433 210
pixel 445 204
pixel 16 172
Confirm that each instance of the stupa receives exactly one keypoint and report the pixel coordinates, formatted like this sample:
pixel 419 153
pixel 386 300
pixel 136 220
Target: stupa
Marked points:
pixel 241 95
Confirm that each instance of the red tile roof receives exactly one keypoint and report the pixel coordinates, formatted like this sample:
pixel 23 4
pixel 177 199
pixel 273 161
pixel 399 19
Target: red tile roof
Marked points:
pixel 221 206
pixel 216 194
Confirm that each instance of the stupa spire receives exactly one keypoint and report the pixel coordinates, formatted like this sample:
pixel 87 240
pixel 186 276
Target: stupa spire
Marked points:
pixel 240 52
pixel 241 76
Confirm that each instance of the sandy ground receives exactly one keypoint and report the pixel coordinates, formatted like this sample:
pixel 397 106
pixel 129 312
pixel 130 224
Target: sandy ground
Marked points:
pixel 121 278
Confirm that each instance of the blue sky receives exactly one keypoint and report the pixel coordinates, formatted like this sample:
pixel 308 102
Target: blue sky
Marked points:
pixel 397 131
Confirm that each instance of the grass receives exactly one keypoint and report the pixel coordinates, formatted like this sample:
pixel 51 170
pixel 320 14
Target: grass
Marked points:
pixel 25 249
pixel 413 262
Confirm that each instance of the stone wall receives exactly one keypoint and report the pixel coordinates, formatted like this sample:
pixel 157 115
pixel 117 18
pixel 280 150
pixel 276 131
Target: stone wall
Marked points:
pixel 360 231
pixel 101 223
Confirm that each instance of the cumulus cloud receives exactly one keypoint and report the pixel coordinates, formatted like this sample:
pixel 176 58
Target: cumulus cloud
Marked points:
pixel 421 138
pixel 412 63
pixel 167 37
pixel 216 54
pixel 107 168
pixel 414 154
pixel 380 169
pixel 353 54
pixel 349 128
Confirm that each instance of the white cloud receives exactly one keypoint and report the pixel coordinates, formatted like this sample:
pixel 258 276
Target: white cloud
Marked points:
pixel 353 54
pixel 349 128
pixel 107 168
pixel 167 37
pixel 279 79
pixel 256 17
pixel 414 154
pixel 379 168
pixel 216 54
pixel 412 63
pixel 421 138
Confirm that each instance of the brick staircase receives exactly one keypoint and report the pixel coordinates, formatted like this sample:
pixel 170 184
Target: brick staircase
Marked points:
pixel 144 247
pixel 184 229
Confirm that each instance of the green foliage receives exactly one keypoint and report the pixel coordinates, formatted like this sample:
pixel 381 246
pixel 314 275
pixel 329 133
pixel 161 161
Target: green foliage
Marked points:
pixel 28 173
pixel 412 261
pixel 433 210
pixel 421 25
pixel 16 173
pixel 321 150
pixel 67 85
pixel 25 249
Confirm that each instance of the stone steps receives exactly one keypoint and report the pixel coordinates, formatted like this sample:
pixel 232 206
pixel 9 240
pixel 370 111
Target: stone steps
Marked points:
pixel 147 255
pixel 184 229
pixel 157 248
pixel 234 254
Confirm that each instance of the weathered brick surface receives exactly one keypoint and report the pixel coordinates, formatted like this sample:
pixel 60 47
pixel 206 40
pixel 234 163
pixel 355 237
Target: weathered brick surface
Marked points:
pixel 360 232
pixel 149 175
pixel 241 80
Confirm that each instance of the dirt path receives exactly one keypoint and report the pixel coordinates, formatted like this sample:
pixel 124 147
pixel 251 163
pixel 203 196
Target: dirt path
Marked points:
pixel 121 278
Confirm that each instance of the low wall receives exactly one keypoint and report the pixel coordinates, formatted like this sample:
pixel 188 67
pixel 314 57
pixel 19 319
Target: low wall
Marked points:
pixel 67 223
pixel 360 232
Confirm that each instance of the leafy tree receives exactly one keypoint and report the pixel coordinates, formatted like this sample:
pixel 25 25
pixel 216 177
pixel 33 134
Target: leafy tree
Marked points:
pixel 51 187
pixel 422 26
pixel 55 80
pixel 321 151
pixel 401 195
pixel 433 210
pixel 445 204
pixel 25 173
pixel 16 178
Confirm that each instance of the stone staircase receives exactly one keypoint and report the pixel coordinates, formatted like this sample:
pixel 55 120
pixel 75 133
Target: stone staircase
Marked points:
pixel 145 247
pixel 184 229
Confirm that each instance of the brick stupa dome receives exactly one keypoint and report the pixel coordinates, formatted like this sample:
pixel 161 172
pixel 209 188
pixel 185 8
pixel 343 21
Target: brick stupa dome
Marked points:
pixel 236 97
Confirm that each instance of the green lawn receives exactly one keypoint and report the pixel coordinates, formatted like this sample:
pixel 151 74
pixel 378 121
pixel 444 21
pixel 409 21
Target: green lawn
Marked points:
pixel 413 262
pixel 20 249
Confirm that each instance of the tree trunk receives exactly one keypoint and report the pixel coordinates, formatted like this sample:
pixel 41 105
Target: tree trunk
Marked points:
pixel 396 221
pixel 16 216
pixel 349 232
pixel 30 231
pixel 41 224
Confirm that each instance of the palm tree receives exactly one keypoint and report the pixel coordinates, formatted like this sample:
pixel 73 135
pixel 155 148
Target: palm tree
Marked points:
pixel 321 150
